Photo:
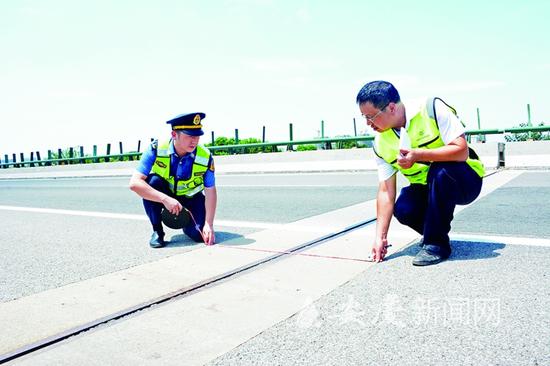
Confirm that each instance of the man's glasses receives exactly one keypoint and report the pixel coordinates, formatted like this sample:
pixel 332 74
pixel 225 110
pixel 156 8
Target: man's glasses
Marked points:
pixel 371 119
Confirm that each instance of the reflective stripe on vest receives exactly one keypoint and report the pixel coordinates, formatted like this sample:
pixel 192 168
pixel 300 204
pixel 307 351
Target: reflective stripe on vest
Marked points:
pixel 195 183
pixel 424 133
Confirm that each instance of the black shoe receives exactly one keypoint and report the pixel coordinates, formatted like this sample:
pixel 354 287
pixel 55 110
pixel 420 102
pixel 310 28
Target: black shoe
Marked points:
pixel 157 240
pixel 431 254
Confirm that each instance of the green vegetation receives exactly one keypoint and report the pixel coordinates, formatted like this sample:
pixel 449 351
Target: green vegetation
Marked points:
pixel 224 141
pixel 528 136
pixel 306 147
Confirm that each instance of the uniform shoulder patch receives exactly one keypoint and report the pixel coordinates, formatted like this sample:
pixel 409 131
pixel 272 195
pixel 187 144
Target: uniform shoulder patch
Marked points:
pixel 160 163
pixel 211 167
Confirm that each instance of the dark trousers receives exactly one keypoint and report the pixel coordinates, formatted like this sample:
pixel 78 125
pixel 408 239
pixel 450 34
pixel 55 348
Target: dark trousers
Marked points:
pixel 428 209
pixel 194 204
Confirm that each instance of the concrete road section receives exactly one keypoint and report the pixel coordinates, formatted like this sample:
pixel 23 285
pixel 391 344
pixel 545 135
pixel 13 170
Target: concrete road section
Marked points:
pixel 332 307
pixel 487 306
pixel 325 305
pixel 79 303
pixel 519 208
pixel 59 231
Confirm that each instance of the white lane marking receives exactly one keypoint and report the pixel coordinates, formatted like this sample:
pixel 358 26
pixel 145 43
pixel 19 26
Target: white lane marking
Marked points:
pixel 509 240
pixel 109 215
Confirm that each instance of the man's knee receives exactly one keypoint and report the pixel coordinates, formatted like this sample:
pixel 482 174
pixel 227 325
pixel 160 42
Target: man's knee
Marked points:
pixel 194 235
pixel 403 212
pixel 159 184
pixel 450 172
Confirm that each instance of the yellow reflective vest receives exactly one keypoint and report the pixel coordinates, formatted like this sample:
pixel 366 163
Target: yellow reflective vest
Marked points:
pixel 191 186
pixel 424 133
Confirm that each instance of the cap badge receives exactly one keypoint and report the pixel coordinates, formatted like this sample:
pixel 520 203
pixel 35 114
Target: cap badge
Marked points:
pixel 197 119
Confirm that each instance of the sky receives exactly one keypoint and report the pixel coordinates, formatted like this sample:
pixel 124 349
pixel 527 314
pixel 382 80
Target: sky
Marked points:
pixel 79 73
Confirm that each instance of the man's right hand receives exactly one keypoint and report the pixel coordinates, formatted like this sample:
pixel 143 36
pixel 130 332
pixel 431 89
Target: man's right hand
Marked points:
pixel 172 205
pixel 379 249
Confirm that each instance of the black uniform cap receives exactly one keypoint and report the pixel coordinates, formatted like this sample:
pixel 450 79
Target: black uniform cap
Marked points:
pixel 190 124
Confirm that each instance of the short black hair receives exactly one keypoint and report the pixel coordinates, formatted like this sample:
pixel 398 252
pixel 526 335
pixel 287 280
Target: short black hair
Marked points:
pixel 379 93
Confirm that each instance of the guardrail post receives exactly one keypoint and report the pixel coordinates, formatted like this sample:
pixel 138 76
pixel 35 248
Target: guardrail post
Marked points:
pixel 291 133
pixel 49 163
pixel 131 157
pixel 39 158
pixel 22 160
pixel 263 134
pixel 95 154
pixel 71 155
pixel 121 151
pixel 32 159
pixel 82 161
pixel 354 128
pixel 480 137
pixel 108 152
pixel 59 157
pixel 13 160
pixel 501 160
pixel 6 160
pixel 212 135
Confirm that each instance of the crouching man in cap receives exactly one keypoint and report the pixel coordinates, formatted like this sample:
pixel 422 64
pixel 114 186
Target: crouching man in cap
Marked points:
pixel 175 174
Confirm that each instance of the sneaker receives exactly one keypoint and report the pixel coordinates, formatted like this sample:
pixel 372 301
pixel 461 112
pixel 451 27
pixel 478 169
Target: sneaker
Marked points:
pixel 157 240
pixel 431 254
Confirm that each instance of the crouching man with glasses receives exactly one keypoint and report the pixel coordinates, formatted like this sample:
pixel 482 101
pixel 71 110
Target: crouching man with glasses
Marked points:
pixel 440 167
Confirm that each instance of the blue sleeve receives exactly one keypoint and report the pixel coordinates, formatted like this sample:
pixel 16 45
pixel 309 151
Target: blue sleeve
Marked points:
pixel 209 176
pixel 147 160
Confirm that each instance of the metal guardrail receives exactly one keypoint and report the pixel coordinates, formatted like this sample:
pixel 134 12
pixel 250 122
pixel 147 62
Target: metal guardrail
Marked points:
pixel 291 143
pixel 266 146
pixel 73 160
pixel 509 130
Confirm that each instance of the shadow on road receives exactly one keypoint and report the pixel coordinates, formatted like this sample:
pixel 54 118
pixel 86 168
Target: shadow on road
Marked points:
pixel 222 237
pixel 462 251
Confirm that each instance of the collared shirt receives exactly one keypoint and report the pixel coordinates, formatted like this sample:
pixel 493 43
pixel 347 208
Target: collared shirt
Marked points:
pixel 180 167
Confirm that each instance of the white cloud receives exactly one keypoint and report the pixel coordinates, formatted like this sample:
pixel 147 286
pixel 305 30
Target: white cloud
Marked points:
pixel 249 2
pixel 412 82
pixel 467 86
pixel 303 14
pixel 289 64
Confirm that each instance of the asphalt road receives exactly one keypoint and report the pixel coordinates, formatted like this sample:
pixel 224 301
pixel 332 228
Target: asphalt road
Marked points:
pixel 519 208
pixel 488 304
pixel 47 250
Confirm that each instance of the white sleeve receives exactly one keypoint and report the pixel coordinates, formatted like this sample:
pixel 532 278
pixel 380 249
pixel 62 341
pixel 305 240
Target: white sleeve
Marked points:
pixel 385 170
pixel 449 125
